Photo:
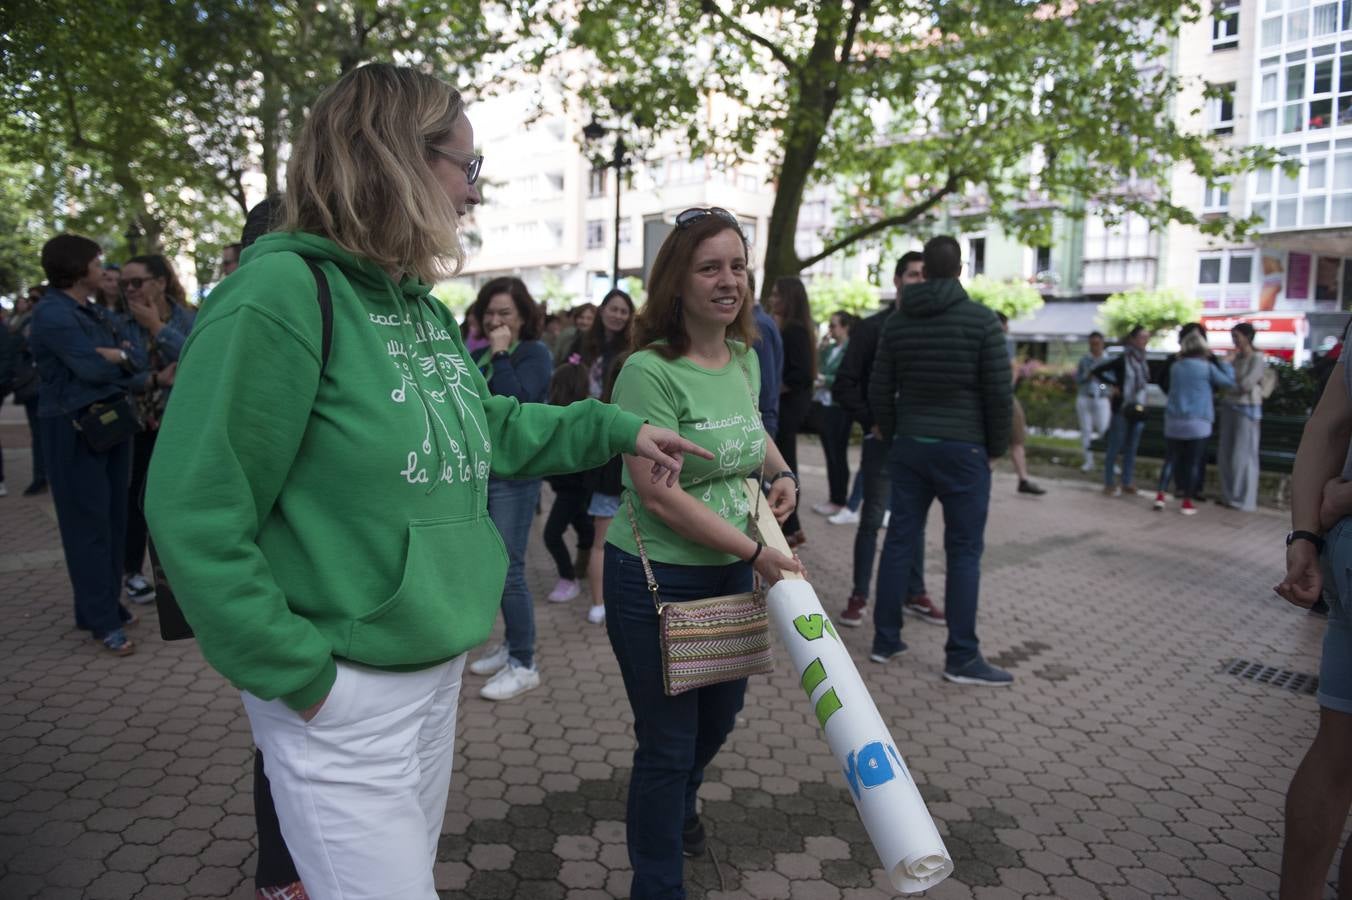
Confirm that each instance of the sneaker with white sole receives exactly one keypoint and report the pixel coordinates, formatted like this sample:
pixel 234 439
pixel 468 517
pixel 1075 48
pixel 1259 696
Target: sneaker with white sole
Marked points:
pixel 846 516
pixel 4 491
pixel 139 590
pixel 978 671
pixel 1187 508
pixel 564 591
pixel 923 608
pixel 513 681
pixel 887 518
pixel 492 662
pixel 886 656
pixel 855 609
pixel 596 615
pixel 1159 501
pixel 827 509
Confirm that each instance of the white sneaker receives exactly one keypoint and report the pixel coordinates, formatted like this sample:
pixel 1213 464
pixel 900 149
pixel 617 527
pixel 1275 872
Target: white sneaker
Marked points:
pixel 846 516
pixel 826 509
pixel 887 518
pixel 492 662
pixel 511 681
pixel 564 591
pixel 1088 466
pixel 139 590
pixel 596 615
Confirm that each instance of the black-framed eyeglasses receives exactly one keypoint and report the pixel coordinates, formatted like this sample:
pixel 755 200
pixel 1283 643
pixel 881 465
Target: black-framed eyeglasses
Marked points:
pixel 695 214
pixel 473 162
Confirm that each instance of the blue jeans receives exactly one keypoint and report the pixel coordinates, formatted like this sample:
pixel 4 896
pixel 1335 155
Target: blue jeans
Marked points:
pixel 89 491
pixel 511 505
pixel 878 500
pixel 1123 437
pixel 958 474
pixel 677 736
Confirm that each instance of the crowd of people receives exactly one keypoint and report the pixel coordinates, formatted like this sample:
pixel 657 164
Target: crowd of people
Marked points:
pixel 346 617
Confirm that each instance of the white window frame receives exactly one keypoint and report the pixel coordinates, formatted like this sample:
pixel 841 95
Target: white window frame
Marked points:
pixel 1217 121
pixel 596 234
pixel 1225 25
pixel 1216 196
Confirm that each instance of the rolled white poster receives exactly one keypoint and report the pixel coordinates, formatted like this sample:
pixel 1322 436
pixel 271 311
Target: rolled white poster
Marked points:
pixel 888 801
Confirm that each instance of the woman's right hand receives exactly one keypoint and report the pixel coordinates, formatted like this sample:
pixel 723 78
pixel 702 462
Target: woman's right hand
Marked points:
pixel 310 712
pixel 771 566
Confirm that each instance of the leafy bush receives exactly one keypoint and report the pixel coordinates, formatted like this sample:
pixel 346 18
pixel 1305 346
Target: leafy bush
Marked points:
pixel 1158 310
pixel 1016 299
pixel 1295 391
pixel 1048 398
pixel 828 295
pixel 457 296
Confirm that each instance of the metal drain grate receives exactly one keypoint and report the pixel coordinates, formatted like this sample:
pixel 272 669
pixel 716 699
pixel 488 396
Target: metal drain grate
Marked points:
pixel 1300 682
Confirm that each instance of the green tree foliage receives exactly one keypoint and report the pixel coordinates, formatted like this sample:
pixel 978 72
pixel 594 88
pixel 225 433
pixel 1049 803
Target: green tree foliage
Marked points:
pixel 1016 299
pixel 828 295
pixel 1157 310
pixel 456 295
pixel 151 111
pixel 1015 107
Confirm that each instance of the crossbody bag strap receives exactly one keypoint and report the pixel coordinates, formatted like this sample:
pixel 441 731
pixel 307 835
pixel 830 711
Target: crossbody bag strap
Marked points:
pixel 642 553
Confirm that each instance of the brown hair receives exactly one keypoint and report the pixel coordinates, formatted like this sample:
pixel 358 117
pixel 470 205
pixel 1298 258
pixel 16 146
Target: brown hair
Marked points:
pixel 531 318
pixel 360 173
pixel 160 267
pixel 597 341
pixel 661 317
pixel 794 309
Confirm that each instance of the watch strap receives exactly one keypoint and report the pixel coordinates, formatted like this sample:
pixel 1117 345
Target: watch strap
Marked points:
pixel 1310 536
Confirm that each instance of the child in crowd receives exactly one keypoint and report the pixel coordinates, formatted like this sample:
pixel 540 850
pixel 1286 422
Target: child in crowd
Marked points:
pixel 572 493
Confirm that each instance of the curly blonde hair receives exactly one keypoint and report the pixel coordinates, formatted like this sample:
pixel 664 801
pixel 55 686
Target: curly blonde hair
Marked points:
pixel 360 172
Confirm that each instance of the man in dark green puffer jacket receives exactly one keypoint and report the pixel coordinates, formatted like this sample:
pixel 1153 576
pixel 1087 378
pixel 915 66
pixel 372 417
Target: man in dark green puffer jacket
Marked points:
pixel 940 392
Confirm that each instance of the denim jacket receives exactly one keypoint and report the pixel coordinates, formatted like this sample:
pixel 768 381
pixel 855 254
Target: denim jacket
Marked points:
pixel 1191 383
pixel 72 375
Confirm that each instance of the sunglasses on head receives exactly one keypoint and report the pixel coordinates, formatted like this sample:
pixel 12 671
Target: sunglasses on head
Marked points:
pixel 472 162
pixel 695 214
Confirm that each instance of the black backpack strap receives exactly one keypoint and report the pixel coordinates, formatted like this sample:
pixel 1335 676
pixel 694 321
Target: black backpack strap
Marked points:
pixel 325 313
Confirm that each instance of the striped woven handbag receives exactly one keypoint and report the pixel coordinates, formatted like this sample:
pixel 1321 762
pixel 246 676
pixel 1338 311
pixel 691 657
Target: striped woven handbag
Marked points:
pixel 708 641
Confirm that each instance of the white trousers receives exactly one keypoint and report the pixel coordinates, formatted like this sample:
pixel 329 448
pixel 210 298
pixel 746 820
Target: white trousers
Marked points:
pixel 1095 413
pixel 361 788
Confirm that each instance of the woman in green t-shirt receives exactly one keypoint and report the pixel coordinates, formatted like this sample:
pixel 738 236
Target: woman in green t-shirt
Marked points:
pixel 691 372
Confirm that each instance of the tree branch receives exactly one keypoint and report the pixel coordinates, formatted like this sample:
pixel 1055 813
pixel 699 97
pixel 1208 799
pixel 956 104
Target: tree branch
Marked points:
pixel 910 215
pixel 77 138
pixel 847 45
pixel 710 7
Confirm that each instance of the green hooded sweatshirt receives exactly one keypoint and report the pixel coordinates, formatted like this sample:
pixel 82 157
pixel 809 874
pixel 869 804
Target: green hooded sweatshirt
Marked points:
pixel 302 518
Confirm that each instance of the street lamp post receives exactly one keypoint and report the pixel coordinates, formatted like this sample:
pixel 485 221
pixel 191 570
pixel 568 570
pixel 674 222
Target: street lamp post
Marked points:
pixel 595 131
pixel 132 235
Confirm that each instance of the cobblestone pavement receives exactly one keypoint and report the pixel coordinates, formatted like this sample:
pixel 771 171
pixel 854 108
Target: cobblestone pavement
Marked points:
pixel 1123 763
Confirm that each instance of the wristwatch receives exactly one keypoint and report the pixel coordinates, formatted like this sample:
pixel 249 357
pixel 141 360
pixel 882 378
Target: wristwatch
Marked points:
pixel 1306 536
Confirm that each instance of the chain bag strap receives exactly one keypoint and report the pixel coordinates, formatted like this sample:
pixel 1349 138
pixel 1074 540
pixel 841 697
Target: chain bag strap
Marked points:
pixel 717 639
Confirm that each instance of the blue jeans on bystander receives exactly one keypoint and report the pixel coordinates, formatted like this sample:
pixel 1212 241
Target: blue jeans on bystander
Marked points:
pixel 511 505
pixel 958 475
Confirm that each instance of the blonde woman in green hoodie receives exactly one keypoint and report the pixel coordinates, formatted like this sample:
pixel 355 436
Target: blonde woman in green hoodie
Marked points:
pixel 322 516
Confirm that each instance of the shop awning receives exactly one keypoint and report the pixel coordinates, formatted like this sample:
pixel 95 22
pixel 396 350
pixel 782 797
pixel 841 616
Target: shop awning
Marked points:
pixel 1058 321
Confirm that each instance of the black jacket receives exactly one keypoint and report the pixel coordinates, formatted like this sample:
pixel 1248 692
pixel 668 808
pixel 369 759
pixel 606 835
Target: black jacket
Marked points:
pixel 942 370
pixel 850 389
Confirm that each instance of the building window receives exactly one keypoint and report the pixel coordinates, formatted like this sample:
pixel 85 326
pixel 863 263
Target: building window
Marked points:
pixel 596 234
pixel 1221 109
pixel 976 255
pixel 749 232
pixel 625 231
pixel 1043 261
pixel 596 183
pixel 1225 25
pixel 1216 197
pixel 1227 280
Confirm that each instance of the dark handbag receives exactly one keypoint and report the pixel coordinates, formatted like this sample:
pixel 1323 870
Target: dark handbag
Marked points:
pixel 1134 412
pixel 107 424
pixel 25 383
pixel 717 639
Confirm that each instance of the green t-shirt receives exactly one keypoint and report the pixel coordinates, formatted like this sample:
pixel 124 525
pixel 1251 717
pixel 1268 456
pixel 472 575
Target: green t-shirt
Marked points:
pixel 713 408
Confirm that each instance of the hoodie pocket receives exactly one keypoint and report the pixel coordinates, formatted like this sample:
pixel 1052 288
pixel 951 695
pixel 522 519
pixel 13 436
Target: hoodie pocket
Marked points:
pixel 447 600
